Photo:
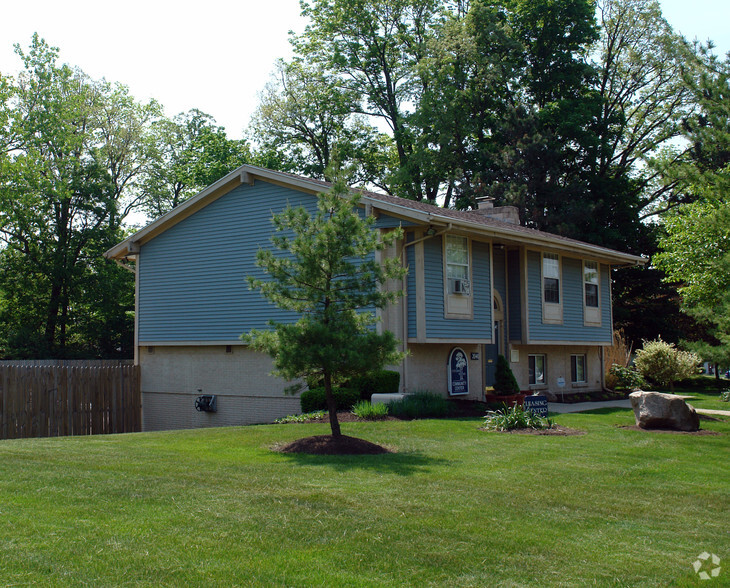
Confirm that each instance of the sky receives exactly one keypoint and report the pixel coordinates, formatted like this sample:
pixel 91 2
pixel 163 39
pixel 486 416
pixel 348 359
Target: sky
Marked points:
pixel 215 55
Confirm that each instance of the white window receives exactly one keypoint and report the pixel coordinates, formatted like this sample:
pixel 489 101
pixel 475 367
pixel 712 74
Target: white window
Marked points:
pixel 591 294
pixel 457 261
pixel 552 303
pixel 537 365
pixel 551 278
pixel 590 283
pixel 578 369
pixel 458 277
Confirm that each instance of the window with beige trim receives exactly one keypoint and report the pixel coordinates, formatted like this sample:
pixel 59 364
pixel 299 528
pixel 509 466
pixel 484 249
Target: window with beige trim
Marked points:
pixel 578 369
pixel 537 369
pixel 457 263
pixel 591 293
pixel 552 306
pixel 551 277
pixel 458 272
pixel 590 282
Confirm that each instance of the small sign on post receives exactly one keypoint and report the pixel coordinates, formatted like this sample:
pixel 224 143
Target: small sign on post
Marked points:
pixel 537 404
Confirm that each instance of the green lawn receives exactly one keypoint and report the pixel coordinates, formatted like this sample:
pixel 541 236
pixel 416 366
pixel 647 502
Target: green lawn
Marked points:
pixel 704 399
pixel 455 506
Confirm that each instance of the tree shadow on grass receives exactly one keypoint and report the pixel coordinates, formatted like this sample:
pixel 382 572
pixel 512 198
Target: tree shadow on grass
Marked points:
pixel 404 463
pixel 605 410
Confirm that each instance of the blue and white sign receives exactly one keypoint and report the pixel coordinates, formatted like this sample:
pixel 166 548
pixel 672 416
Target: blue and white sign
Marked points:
pixel 458 372
pixel 537 404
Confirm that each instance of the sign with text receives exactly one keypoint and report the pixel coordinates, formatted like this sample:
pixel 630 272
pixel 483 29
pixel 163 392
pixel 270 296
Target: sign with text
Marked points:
pixel 537 404
pixel 458 373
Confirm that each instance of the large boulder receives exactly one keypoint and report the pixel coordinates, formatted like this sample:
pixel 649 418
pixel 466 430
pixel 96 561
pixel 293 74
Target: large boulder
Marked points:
pixel 654 410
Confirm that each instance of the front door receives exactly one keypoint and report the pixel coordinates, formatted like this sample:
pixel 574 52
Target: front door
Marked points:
pixel 490 363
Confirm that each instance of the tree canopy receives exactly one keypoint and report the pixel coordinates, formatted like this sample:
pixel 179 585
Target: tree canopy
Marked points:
pixel 696 242
pixel 571 111
pixel 77 156
pixel 604 125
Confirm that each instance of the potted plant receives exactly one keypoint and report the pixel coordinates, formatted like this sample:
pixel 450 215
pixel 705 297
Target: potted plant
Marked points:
pixel 506 388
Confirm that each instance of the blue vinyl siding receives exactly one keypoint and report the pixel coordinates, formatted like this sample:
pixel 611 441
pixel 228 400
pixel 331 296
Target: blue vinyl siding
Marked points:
pixel 573 328
pixel 192 277
pixel 390 222
pixel 411 290
pixel 436 325
pixel 514 304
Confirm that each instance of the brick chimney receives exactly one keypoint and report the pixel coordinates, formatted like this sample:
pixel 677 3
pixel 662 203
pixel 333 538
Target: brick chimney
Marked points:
pixel 507 214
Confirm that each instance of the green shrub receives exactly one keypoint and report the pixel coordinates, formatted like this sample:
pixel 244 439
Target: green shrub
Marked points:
pixel 699 382
pixel 505 383
pixel 316 399
pixel 420 405
pixel 516 417
pixel 628 378
pixel 377 382
pixel 664 364
pixel 368 411
pixel 725 396
pixel 301 418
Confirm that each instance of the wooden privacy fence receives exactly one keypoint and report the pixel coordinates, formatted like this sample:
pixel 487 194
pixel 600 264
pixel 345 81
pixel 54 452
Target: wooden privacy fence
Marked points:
pixel 51 399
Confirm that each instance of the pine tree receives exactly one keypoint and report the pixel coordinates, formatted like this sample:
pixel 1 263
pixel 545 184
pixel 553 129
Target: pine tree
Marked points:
pixel 505 383
pixel 328 273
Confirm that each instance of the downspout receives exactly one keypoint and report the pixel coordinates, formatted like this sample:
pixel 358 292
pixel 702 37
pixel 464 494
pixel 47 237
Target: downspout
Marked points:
pixel 449 227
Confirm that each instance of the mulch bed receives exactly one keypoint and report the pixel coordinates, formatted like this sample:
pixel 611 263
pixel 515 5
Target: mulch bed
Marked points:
pixel 329 445
pixel 638 428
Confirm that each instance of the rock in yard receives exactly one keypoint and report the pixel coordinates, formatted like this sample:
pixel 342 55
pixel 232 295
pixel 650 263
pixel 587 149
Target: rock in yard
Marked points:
pixel 654 410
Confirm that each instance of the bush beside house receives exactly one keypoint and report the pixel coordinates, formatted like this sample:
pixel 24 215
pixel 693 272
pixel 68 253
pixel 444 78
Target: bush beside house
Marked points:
pixel 377 382
pixel 316 399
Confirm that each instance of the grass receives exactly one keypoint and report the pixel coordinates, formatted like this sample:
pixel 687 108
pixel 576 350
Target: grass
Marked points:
pixel 455 506
pixel 703 398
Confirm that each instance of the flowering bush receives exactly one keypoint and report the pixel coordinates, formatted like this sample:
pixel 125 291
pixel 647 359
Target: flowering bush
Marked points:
pixel 664 364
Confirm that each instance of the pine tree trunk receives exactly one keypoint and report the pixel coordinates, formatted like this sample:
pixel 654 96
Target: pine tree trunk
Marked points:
pixel 331 405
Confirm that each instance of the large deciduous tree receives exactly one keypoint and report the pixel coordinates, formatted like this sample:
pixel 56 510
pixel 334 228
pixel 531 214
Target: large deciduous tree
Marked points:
pixel 190 151
pixel 305 121
pixel 644 99
pixel 73 148
pixel 696 245
pixel 326 270
pixel 374 48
